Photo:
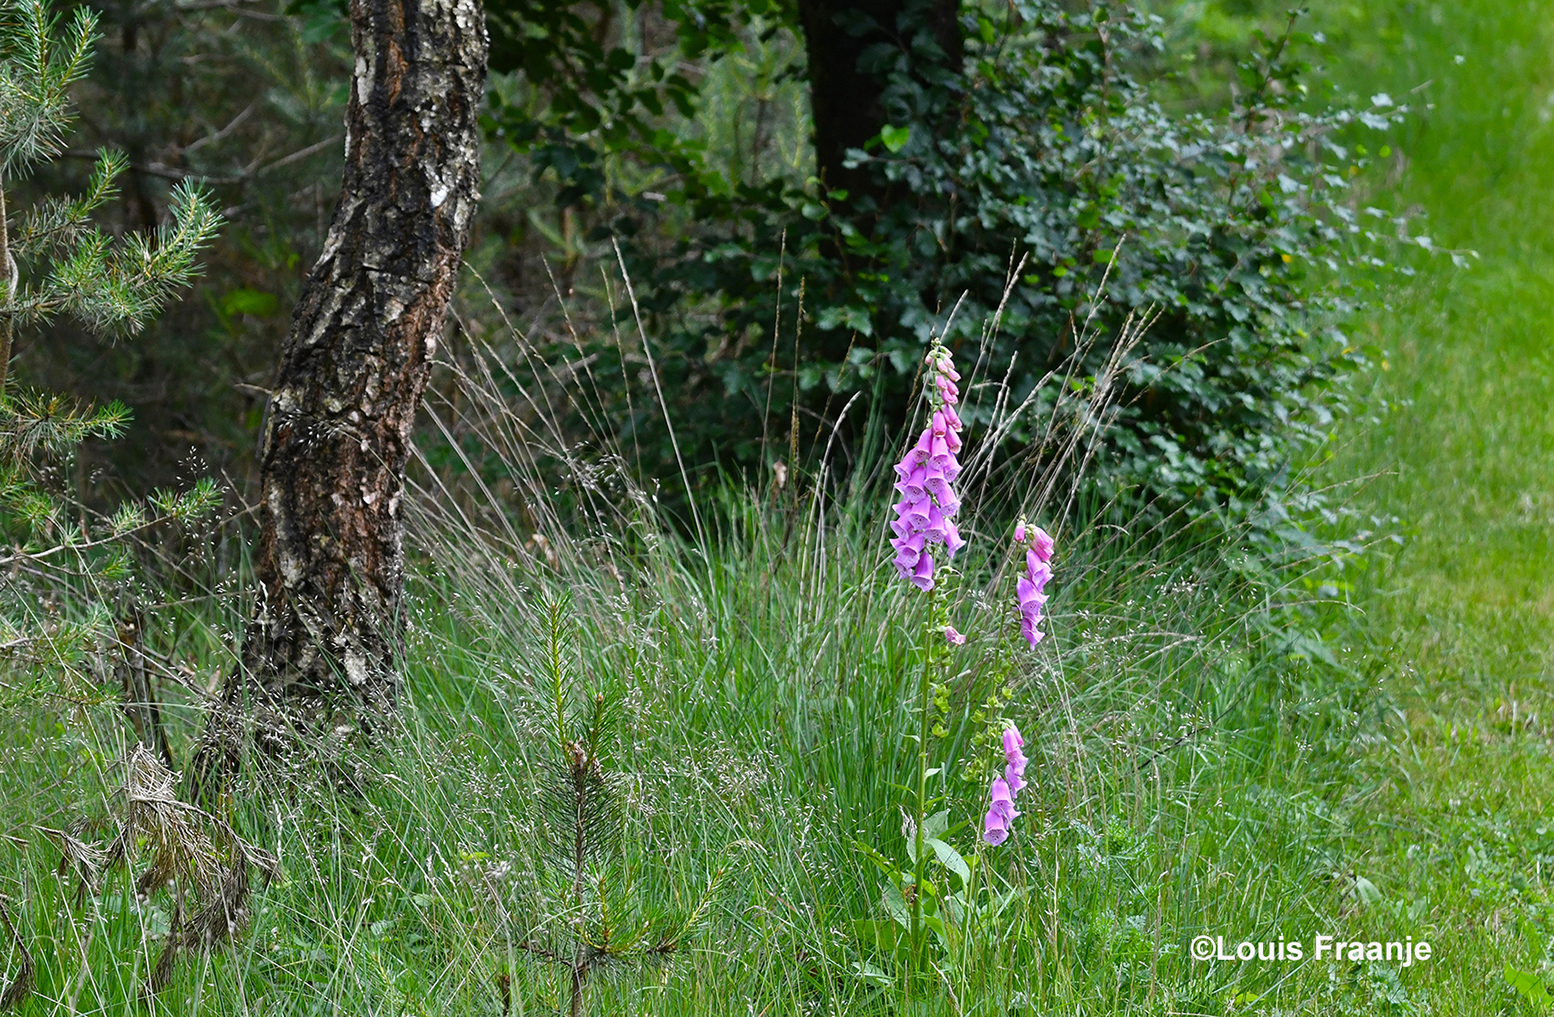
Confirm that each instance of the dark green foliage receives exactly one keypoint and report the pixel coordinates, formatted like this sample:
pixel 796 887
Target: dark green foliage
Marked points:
pixel 593 95
pixel 1010 192
pixel 1046 146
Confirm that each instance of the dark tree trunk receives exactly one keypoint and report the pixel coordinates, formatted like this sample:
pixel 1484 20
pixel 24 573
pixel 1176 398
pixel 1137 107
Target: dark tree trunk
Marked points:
pixel 320 654
pixel 851 48
pixel 845 98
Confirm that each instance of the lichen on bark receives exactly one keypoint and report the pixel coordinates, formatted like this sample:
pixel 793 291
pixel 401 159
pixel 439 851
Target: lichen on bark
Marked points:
pixel 322 648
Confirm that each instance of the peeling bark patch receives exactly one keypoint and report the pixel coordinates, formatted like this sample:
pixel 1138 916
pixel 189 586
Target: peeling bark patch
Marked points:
pixel 328 627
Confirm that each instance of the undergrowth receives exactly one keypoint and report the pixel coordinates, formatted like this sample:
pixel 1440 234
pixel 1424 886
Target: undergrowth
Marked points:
pixel 1190 758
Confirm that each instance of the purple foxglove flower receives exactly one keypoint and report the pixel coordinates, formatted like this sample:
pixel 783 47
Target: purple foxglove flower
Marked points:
pixel 914 513
pixel 1002 799
pixel 1032 634
pixel 1029 589
pixel 1013 742
pixel 938 485
pixel 914 486
pixel 1030 597
pixel 995 829
pixel 1014 773
pixel 1042 548
pixel 922 573
pixel 1019 532
pixel 939 451
pixel 925 514
pixel 1015 778
pixel 952 540
pixel 936 522
pixel 954 638
pixel 908 550
pixel 1000 813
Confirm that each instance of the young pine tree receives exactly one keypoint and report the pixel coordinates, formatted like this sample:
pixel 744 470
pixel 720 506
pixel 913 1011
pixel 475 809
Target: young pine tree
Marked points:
pixel 55 263
pixel 599 923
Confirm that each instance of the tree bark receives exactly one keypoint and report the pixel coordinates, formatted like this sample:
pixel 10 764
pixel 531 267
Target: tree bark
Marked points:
pixel 845 95
pixel 321 652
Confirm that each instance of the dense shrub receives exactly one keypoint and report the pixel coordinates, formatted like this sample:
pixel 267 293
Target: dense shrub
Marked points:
pixel 1008 191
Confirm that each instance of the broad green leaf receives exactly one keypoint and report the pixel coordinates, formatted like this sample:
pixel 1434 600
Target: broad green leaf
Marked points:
pixel 871 975
pixel 884 864
pixel 895 905
pixel 1530 986
pixel 951 859
pixel 246 301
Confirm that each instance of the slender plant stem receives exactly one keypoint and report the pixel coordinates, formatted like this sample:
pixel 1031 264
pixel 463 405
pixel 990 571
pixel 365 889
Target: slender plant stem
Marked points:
pixel 920 809
pixel 969 923
pixel 7 267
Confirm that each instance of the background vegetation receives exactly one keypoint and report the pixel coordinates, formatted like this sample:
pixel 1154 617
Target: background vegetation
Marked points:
pixel 1350 738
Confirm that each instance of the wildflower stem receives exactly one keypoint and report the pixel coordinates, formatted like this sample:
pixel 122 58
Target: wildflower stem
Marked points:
pixel 920 810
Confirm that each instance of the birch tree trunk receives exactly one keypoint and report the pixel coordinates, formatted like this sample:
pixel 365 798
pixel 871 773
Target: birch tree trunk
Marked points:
pixel 321 651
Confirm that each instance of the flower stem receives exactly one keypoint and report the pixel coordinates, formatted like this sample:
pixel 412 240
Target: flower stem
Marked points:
pixel 925 702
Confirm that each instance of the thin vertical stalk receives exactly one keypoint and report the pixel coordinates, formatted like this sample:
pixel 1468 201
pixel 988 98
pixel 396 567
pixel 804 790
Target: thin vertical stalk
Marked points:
pixel 920 808
pixel 579 762
pixel 8 267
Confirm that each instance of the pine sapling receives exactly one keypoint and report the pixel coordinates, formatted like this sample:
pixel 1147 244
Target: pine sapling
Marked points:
pixel 608 926
pixel 55 262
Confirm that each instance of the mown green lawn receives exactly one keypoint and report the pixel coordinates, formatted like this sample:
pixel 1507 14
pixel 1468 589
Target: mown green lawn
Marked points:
pixel 1458 830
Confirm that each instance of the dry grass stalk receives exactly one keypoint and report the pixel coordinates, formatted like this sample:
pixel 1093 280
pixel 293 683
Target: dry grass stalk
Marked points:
pixel 193 854
pixel 20 986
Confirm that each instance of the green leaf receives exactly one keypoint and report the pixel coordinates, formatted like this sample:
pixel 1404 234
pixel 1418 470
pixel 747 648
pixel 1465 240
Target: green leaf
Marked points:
pixel 895 905
pixel 951 859
pixel 886 937
pixel 1530 986
pixel 246 301
pixel 884 864
pixel 853 317
pixel 895 138
pixel 871 975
